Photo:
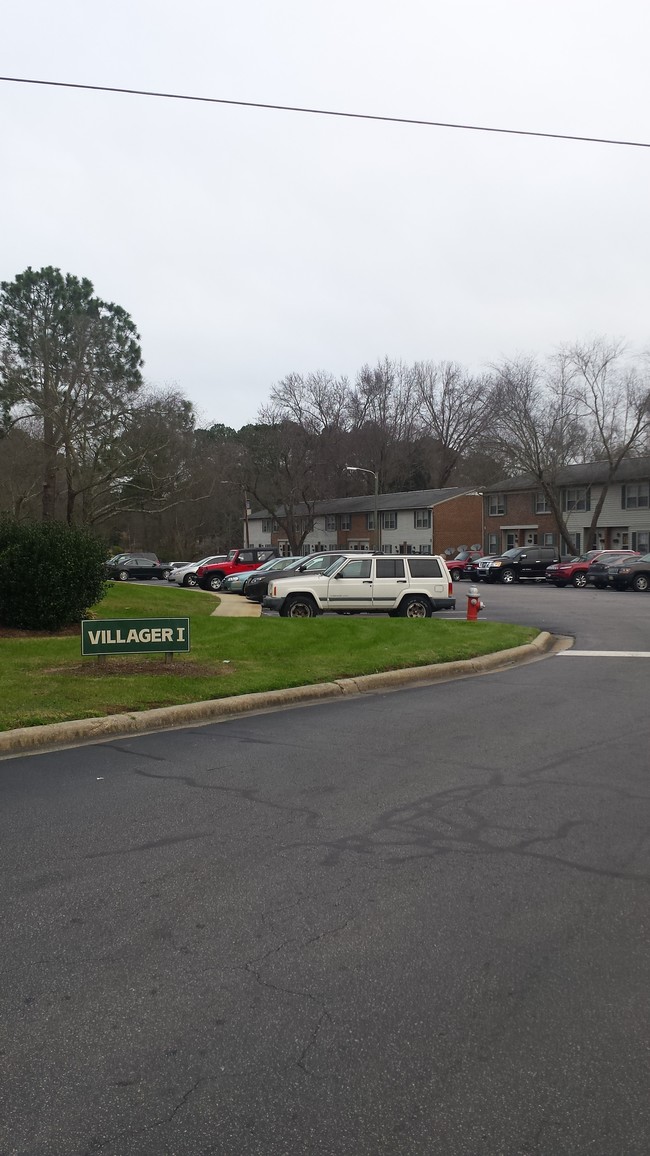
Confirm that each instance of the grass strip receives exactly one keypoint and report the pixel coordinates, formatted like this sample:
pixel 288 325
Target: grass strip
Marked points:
pixel 43 678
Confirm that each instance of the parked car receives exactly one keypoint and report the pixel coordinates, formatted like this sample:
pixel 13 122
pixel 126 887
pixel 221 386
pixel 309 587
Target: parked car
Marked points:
pixel 598 573
pixel 629 573
pixel 234 583
pixel 210 577
pixel 574 570
pixel 522 562
pixel 458 565
pixel 133 567
pixel 476 570
pixel 408 585
pixel 117 558
pixel 186 575
pixel 257 585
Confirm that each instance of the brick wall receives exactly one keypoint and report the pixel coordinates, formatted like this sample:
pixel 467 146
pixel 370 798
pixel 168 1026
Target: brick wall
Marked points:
pixel 458 522
pixel 519 513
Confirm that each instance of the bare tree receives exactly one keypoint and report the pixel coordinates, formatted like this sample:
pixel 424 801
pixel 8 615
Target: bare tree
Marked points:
pixel 278 469
pixel 382 419
pixel 454 409
pixel 537 427
pixel 612 393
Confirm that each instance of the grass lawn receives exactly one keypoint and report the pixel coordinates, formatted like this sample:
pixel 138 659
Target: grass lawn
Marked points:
pixel 43 679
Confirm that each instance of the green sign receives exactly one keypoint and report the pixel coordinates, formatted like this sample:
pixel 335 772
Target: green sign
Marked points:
pixel 135 636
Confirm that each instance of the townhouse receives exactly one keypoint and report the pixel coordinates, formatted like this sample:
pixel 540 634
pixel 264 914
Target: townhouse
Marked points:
pixel 516 511
pixel 416 522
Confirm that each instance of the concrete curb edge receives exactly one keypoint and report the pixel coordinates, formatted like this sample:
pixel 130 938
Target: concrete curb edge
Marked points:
pixel 32 739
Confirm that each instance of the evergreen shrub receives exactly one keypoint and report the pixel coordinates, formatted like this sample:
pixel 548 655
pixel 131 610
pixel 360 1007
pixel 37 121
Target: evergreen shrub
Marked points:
pixel 50 574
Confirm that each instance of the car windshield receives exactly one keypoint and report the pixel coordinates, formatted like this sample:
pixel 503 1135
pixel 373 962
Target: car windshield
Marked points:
pixel 462 556
pixel 272 563
pixel 281 563
pixel 511 553
pixel 318 560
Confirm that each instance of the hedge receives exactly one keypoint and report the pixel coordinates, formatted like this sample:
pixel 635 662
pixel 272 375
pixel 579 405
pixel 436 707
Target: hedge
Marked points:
pixel 50 574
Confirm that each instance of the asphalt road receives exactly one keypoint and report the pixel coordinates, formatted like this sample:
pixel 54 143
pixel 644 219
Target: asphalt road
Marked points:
pixel 414 923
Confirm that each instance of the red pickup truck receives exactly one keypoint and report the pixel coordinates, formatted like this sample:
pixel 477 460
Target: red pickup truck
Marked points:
pixel 211 577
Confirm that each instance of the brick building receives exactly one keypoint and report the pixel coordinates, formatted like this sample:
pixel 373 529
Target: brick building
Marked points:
pixel 415 522
pixel 517 514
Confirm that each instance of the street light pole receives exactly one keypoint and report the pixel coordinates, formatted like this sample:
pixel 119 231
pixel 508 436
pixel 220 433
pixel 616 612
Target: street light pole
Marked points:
pixel 362 470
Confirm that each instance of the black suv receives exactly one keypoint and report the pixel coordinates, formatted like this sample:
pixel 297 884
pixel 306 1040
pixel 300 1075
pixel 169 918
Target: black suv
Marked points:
pixel 522 562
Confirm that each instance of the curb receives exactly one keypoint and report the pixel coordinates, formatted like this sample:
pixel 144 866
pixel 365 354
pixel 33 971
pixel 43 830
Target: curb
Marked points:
pixel 92 730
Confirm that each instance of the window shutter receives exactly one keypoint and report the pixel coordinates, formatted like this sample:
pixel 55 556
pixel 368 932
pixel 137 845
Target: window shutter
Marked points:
pixel 622 497
pixel 588 498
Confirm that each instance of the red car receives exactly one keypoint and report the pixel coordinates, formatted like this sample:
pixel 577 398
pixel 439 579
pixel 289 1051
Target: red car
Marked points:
pixel 574 571
pixel 211 577
pixel 457 565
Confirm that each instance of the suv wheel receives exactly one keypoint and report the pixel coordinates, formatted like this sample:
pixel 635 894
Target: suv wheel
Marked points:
pixel 216 581
pixel 579 579
pixel 416 606
pixel 508 576
pixel 640 582
pixel 299 606
pixel 456 575
pixel 123 575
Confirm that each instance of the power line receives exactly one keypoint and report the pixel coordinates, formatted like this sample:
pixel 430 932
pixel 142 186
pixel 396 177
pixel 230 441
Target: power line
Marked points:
pixel 328 112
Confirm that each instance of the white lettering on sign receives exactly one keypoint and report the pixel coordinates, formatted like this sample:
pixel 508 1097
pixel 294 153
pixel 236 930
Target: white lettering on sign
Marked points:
pixel 145 635
pixel 167 634
pixel 180 630
pixel 94 637
pixel 133 635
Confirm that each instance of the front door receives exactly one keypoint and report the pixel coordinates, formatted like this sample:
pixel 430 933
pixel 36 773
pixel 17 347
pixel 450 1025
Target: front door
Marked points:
pixel 351 587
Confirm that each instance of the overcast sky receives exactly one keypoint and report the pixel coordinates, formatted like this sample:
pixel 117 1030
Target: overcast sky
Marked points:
pixel 248 244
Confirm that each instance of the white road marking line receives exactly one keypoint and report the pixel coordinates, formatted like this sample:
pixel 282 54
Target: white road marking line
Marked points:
pixel 605 653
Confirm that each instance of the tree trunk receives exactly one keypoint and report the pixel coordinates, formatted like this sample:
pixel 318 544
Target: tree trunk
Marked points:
pixel 49 469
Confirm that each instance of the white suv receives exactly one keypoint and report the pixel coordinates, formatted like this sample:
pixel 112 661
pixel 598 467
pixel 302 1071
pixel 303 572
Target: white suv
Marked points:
pixel 409 585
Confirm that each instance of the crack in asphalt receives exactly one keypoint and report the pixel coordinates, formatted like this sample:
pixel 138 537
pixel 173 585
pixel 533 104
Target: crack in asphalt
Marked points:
pixel 132 1132
pixel 248 794
pixel 428 827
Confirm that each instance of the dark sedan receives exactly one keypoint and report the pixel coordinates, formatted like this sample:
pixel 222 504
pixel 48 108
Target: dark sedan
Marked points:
pixel 631 572
pixel 256 587
pixel 138 568
pixel 598 571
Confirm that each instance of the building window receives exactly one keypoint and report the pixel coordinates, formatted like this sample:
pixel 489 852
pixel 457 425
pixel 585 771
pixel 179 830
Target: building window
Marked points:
pixel 577 498
pixel 542 504
pixel 577 539
pixel 548 539
pixel 493 541
pixel 267 525
pixel 422 519
pixel 496 505
pixel 636 496
pixel 641 541
pixel 370 521
pixel 346 522
pixel 330 523
pixel 389 520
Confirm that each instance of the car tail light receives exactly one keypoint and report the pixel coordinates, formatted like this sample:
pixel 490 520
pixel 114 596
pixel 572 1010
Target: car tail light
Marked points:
pixel 450 589
pixel 200 572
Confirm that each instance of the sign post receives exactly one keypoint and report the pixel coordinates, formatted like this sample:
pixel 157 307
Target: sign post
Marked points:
pixel 168 636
